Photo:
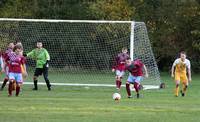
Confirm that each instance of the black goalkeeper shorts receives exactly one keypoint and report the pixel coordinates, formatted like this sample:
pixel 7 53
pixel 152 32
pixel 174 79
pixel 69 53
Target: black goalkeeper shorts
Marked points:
pixel 40 71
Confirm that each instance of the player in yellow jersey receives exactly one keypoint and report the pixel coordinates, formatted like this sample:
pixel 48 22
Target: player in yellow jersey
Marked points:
pixel 182 73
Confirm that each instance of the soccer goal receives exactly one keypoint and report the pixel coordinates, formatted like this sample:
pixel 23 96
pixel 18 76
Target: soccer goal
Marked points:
pixel 82 51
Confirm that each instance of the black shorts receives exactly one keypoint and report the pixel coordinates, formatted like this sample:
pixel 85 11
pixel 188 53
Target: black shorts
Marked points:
pixel 40 71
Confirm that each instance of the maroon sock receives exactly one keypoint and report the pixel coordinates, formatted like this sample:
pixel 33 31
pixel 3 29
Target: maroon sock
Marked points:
pixel 128 89
pixel 17 90
pixel 120 83
pixel 136 86
pixel 10 87
pixel 117 83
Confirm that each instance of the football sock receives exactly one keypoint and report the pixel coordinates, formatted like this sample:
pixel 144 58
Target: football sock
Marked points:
pixel 14 86
pixel 17 90
pixel 128 89
pixel 176 90
pixel 10 87
pixel 136 86
pixel 48 84
pixel 35 84
pixel 120 83
pixel 4 83
pixel 184 88
pixel 117 83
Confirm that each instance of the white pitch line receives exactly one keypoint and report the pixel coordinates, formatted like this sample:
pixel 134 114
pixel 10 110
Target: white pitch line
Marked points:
pixel 145 87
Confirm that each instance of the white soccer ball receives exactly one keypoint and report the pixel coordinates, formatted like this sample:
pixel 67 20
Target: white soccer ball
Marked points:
pixel 116 96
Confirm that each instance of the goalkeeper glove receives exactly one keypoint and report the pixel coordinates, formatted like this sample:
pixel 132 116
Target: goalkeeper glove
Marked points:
pixel 24 54
pixel 46 64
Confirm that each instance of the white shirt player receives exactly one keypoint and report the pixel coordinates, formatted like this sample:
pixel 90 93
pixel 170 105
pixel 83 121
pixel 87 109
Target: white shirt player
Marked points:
pixel 181 65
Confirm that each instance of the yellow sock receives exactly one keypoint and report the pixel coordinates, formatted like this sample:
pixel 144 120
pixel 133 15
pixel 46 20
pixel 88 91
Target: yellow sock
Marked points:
pixel 176 91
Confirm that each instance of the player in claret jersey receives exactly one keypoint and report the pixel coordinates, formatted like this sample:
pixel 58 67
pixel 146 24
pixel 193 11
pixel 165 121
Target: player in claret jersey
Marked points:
pixel 6 64
pixel 119 66
pixel 15 60
pixel 1 62
pixel 136 75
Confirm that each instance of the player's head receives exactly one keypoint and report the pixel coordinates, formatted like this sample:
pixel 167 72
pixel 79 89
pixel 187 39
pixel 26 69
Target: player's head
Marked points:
pixel 182 55
pixel 124 50
pixel 17 49
pixel 19 43
pixel 11 45
pixel 39 44
pixel 128 61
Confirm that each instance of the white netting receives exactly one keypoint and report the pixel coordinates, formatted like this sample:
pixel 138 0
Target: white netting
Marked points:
pixel 81 51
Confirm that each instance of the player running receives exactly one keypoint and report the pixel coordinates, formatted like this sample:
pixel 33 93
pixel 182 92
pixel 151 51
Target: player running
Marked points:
pixel 119 66
pixel 136 75
pixel 182 68
pixel 42 58
pixel 6 64
pixel 15 71
pixel 1 62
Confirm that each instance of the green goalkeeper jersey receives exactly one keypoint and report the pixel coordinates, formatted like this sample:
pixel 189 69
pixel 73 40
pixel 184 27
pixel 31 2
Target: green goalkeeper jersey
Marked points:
pixel 40 55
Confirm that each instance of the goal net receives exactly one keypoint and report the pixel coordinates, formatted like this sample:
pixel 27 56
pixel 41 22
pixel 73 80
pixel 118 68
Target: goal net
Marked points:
pixel 82 51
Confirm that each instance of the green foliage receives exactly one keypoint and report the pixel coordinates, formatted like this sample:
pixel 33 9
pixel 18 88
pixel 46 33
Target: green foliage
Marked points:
pixel 111 10
pixel 173 25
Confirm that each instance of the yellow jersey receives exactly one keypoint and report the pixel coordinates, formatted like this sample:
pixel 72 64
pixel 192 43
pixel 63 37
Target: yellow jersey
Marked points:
pixel 181 66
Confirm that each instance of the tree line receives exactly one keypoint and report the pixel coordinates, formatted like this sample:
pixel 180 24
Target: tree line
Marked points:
pixel 173 25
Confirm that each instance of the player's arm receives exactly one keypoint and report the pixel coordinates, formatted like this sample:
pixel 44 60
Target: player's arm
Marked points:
pixel 5 62
pixel 189 72
pixel 115 63
pixel 172 69
pixel 146 72
pixel 47 55
pixel 2 64
pixel 30 54
pixel 47 58
pixel 25 74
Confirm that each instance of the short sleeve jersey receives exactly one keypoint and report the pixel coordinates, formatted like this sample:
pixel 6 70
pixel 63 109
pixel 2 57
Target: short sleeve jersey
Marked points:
pixel 181 66
pixel 120 61
pixel 136 68
pixel 15 61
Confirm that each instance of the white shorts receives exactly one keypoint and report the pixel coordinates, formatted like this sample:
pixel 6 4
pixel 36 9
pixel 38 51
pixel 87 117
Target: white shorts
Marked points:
pixel 16 76
pixel 120 73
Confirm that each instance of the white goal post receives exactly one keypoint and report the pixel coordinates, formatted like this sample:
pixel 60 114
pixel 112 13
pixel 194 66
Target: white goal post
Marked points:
pixel 82 51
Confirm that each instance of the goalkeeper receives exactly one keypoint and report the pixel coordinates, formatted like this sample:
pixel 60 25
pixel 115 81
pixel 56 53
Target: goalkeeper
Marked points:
pixel 42 58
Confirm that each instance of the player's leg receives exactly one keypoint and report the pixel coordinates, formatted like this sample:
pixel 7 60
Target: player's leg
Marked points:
pixel 11 81
pixel 4 83
pixel 177 88
pixel 128 82
pixel 177 81
pixel 184 85
pixel 38 71
pixel 119 75
pixel 35 80
pixel 14 85
pixel 5 79
pixel 19 82
pixel 136 83
pixel 45 74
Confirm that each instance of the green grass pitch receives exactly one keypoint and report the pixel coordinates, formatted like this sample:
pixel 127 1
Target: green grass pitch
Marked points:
pixel 95 104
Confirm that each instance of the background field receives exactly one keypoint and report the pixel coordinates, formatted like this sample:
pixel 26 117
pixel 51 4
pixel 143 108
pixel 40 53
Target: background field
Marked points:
pixel 95 104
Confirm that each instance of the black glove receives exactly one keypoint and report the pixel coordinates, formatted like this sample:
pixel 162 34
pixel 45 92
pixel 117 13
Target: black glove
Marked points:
pixel 46 64
pixel 24 54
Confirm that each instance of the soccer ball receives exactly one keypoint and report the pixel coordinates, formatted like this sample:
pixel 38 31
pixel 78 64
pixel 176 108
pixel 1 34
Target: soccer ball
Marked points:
pixel 116 96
